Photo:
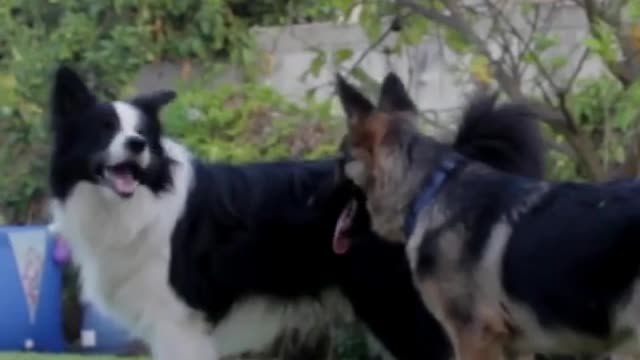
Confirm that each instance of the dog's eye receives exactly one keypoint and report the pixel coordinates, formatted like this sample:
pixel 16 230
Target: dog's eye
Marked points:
pixel 143 130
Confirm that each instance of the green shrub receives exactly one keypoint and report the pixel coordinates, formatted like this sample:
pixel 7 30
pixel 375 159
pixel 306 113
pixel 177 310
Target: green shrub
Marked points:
pixel 248 122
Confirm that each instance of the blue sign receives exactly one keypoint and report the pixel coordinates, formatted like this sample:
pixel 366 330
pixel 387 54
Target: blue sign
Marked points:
pixel 31 283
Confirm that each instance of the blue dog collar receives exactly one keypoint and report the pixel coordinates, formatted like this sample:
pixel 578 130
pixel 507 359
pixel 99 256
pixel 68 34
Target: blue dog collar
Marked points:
pixel 428 193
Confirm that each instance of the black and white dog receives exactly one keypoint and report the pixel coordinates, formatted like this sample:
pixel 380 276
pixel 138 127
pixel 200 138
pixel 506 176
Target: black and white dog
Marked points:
pixel 184 253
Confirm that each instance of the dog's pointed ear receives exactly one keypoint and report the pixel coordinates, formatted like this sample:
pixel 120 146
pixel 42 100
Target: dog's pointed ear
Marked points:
pixel 366 129
pixel 70 94
pixel 356 106
pixel 394 95
pixel 152 102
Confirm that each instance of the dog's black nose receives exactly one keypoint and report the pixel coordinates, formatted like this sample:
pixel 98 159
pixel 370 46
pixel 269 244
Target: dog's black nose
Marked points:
pixel 135 144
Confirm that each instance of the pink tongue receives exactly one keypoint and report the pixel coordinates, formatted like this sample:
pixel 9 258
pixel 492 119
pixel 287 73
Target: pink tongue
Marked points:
pixel 124 182
pixel 341 243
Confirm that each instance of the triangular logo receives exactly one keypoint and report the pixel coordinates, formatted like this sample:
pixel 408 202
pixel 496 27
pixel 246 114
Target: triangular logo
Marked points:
pixel 29 249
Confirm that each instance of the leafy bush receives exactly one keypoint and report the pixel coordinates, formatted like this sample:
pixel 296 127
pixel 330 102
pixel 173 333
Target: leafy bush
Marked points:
pixel 607 114
pixel 247 122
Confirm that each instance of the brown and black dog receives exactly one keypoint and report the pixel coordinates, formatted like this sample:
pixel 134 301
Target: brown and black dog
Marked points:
pixel 507 264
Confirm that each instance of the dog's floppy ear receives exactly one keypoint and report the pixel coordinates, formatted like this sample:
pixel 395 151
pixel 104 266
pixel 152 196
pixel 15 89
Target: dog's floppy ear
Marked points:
pixel 394 96
pixel 70 94
pixel 152 102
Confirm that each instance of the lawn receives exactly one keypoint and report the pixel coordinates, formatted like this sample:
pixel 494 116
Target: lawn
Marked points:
pixel 33 356
pixel 43 356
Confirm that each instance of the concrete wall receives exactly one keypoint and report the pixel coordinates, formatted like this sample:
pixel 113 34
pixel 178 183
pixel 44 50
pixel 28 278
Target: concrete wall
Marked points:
pixel 439 82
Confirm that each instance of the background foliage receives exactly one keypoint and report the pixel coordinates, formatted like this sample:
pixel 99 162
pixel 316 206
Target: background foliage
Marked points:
pixel 592 123
pixel 247 122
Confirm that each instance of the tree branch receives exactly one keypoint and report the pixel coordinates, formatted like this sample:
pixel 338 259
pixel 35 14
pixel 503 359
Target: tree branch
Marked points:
pixel 457 22
pixel 375 44
pixel 509 57
pixel 534 28
pixel 562 120
pixel 431 14
pixel 560 92
pixel 593 14
pixel 513 30
pixel 365 53
pixel 572 78
pixel 631 166
pixel 588 155
pixel 562 148
pixel 593 11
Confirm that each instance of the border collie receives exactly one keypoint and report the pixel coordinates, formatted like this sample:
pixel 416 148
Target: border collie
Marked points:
pixel 507 264
pixel 184 254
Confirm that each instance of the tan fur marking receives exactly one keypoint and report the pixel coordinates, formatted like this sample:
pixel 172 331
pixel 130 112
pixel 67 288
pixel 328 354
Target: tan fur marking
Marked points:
pixel 368 133
pixel 475 342
pixel 481 339
pixel 433 297
pixel 483 335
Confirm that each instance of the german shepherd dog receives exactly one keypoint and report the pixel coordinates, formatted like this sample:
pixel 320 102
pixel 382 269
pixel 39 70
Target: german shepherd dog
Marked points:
pixel 509 265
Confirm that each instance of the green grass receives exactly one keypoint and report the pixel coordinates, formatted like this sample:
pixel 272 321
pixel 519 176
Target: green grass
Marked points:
pixel 33 356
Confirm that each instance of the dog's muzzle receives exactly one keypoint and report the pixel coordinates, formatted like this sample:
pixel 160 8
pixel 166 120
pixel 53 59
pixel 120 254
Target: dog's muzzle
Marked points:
pixel 125 166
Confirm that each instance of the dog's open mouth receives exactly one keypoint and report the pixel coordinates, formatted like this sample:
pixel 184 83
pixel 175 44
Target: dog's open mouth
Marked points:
pixel 123 178
pixel 341 240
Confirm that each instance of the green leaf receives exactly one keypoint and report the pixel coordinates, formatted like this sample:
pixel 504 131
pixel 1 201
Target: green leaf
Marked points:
pixel 343 6
pixel 456 41
pixel 318 63
pixel 342 55
pixel 608 46
pixel 370 22
pixel 542 42
pixel 529 57
pixel 593 44
pixel 414 32
pixel 310 94
pixel 16 54
pixel 625 117
pixel 557 62
pixel 247 55
pixel 633 10
pixel 480 69
pixel 526 7
pixel 618 154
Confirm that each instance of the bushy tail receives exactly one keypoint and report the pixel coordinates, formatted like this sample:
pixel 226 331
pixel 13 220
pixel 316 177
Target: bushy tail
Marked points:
pixel 506 136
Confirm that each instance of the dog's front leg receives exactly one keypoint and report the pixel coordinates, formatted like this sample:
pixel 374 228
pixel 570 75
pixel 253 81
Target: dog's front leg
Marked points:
pixel 475 342
pixel 183 342
pixel 479 335
pixel 483 336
